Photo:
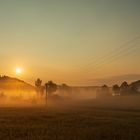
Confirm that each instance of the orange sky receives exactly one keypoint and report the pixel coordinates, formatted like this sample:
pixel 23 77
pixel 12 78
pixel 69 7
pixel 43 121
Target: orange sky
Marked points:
pixel 74 42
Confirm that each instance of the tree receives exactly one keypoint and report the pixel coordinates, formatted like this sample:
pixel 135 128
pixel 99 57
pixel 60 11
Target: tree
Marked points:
pixel 133 90
pixel 65 87
pixel 103 91
pixel 124 88
pixel 116 89
pixel 39 87
pixel 38 82
pixel 65 90
pixel 50 88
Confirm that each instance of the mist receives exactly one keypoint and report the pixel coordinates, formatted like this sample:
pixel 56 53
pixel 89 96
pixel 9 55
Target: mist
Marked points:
pixel 14 92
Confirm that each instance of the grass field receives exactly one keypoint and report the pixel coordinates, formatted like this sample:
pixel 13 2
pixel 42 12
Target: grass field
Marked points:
pixel 69 123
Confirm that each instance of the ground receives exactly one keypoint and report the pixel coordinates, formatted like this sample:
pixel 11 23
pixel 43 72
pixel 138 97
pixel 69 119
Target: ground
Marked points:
pixel 83 122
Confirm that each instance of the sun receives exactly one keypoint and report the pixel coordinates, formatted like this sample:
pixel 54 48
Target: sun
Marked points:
pixel 18 70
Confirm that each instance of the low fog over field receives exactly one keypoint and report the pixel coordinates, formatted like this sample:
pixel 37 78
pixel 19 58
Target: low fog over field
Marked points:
pixel 61 112
pixel 14 92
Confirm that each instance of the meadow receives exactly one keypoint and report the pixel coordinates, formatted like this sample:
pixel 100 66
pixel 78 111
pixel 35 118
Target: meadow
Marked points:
pixel 69 122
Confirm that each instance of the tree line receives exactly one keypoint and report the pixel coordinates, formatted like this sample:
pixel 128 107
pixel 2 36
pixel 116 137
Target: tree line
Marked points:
pixel 49 88
pixel 116 90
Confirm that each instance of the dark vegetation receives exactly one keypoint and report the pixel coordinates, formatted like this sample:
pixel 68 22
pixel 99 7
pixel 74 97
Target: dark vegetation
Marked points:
pixel 77 123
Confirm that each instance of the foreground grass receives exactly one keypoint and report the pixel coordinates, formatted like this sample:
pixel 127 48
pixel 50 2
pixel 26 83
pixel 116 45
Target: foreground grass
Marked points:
pixel 77 123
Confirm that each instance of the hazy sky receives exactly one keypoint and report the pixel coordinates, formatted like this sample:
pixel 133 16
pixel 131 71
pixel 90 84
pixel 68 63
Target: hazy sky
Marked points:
pixel 79 42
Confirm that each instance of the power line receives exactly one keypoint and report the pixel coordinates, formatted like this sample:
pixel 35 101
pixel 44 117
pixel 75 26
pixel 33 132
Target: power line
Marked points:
pixel 123 52
pixel 116 57
pixel 112 53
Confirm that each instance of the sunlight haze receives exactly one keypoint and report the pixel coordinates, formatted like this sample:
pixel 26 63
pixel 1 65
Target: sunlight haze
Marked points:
pixel 79 42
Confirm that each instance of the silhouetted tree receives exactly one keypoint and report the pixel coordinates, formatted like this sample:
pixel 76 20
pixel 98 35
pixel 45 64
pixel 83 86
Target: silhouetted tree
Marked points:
pixel 65 90
pixel 116 89
pixel 103 91
pixel 124 88
pixel 38 82
pixel 133 90
pixel 136 85
pixel 50 88
pixel 65 87
pixel 39 87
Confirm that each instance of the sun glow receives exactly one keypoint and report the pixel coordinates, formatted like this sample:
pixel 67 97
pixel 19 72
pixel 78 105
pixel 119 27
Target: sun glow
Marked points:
pixel 18 70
